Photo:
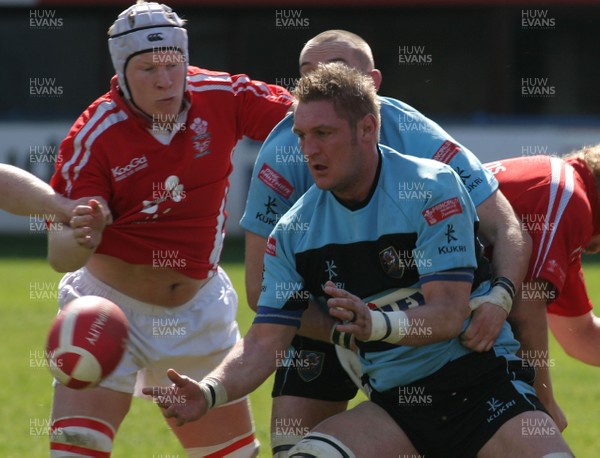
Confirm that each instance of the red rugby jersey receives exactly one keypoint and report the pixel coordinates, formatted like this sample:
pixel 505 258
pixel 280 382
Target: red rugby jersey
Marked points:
pixel 557 203
pixel 167 201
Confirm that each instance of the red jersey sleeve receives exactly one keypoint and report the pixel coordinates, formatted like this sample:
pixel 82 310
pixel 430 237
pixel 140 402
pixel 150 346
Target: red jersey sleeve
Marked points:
pixel 573 299
pixel 260 106
pixel 80 173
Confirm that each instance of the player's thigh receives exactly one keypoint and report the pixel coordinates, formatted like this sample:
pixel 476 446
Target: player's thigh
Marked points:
pixel 100 403
pixel 312 371
pixel 302 413
pixel 218 426
pixel 532 433
pixel 368 431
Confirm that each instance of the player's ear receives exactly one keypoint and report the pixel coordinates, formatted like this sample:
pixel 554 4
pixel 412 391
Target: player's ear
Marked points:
pixel 377 78
pixel 367 127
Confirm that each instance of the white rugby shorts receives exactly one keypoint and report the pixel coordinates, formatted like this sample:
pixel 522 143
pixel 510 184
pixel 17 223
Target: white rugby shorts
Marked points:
pixel 192 338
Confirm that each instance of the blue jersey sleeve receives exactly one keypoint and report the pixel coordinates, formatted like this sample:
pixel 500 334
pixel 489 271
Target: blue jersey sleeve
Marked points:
pixel 408 131
pixel 279 178
pixel 446 231
pixel 283 296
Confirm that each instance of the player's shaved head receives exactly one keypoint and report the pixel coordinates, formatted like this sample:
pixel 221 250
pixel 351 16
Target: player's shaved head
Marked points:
pixel 360 49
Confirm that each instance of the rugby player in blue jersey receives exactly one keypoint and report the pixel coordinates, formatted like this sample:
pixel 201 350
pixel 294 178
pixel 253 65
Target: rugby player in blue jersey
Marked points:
pixel 280 177
pixel 353 236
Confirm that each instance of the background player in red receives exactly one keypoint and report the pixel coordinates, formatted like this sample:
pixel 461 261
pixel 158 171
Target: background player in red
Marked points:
pixel 156 150
pixel 557 201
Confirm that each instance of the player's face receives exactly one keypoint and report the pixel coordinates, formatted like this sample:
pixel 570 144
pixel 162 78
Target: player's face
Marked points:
pixel 313 55
pixel 333 154
pixel 156 81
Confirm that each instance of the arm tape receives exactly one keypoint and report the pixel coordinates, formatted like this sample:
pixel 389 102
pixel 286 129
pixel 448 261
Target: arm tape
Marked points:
pixel 343 339
pixel 213 391
pixel 388 327
pixel 507 284
pixel 498 295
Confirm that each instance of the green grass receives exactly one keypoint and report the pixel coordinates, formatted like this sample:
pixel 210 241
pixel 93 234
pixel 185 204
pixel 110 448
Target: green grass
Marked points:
pixel 26 391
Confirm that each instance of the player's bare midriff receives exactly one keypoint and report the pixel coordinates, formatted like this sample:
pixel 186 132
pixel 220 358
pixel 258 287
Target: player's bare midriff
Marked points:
pixel 165 287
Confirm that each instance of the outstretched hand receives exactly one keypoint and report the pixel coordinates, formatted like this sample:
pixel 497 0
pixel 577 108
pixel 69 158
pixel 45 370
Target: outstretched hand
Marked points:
pixel 183 401
pixel 88 220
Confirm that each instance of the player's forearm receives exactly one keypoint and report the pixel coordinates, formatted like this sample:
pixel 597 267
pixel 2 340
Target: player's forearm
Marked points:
pixel 441 317
pixel 500 227
pixel 433 323
pixel 65 254
pixel 528 321
pixel 61 207
pixel 25 194
pixel 253 359
pixel 511 255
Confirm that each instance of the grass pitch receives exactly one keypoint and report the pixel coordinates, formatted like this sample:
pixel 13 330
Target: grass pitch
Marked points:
pixel 28 304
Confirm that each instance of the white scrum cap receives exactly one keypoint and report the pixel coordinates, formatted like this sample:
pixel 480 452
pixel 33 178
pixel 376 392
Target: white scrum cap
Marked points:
pixel 145 27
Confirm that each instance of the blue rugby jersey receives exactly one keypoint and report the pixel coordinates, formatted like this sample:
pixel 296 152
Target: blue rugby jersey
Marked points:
pixel 281 176
pixel 402 237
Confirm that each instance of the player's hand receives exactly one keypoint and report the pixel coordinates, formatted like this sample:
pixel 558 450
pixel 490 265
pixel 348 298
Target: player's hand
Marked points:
pixel 86 202
pixel 88 220
pixel 486 323
pixel 182 401
pixel 350 310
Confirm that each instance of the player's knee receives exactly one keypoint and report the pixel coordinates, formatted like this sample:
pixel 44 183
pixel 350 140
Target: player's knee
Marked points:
pixel 316 445
pixel 281 444
pixel 80 436
pixel 245 446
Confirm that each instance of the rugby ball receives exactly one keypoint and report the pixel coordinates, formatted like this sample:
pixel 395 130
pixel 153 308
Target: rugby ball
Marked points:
pixel 86 342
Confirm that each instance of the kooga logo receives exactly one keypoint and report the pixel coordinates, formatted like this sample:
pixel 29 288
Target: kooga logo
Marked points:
pixel 134 165
pixel 155 37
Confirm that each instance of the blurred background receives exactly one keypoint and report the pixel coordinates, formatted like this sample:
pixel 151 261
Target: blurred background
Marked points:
pixel 505 78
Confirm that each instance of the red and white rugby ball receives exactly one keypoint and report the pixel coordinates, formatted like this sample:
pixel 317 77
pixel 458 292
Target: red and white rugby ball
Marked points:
pixel 86 342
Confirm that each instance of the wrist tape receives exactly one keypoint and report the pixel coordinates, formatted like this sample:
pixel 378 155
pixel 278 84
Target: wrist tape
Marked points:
pixel 343 339
pixel 213 391
pixel 506 284
pixel 388 327
pixel 502 294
